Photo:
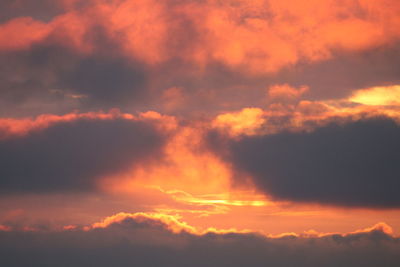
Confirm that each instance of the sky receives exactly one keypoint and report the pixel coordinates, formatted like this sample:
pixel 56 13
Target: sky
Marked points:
pixel 199 133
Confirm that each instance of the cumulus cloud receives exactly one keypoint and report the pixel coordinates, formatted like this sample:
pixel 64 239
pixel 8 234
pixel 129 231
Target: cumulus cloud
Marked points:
pixel 71 154
pixel 145 240
pixel 350 163
pixel 117 52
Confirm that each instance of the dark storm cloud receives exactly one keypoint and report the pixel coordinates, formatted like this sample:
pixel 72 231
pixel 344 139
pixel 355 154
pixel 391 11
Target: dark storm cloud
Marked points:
pixel 51 77
pixel 351 164
pixel 70 156
pixel 148 243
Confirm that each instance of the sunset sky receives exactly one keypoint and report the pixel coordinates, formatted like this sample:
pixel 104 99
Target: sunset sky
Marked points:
pixel 199 133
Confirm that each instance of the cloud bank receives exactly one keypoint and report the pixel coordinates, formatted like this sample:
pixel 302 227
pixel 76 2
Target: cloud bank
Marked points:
pixel 144 240
pixel 353 163
pixel 57 56
pixel 72 154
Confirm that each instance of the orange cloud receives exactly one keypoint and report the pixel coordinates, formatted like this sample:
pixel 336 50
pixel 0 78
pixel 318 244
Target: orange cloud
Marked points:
pixel 141 26
pixel 187 166
pixel 381 226
pixel 20 33
pixel 21 126
pixel 17 127
pixel 170 222
pixel 252 36
pixel 246 121
pixel 287 111
pixel 174 224
pixel 237 198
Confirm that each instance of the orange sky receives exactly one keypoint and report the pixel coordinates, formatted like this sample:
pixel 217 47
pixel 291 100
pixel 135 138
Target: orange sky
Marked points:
pixel 185 70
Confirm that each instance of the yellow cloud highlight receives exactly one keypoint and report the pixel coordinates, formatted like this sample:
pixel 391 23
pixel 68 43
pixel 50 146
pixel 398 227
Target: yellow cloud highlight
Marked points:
pixel 171 222
pixel 228 199
pixel 381 226
pixel 174 224
pixel 246 121
pixel 378 96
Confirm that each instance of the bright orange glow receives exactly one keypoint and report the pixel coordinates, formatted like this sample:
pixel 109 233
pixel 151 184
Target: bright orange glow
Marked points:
pixel 200 73
pixel 246 121
pixel 264 36
pixel 219 199
pixel 17 127
pixel 187 167
pixel 379 226
pixel 385 95
pixel 196 186
pixel 172 222
pixel 175 224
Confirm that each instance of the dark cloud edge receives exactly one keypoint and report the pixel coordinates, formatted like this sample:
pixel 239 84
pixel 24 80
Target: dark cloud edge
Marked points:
pixel 71 156
pixel 345 162
pixel 133 242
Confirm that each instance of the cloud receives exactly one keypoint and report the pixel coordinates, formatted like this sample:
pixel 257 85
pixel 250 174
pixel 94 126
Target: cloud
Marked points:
pixel 344 72
pixel 43 10
pixel 126 53
pixel 71 154
pixel 389 95
pixel 148 241
pixel 50 77
pixel 351 163
pixel 246 121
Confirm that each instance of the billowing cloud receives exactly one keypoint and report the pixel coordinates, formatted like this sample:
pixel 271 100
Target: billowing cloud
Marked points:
pixel 70 154
pixel 66 54
pixel 145 240
pixel 258 115
pixel 351 163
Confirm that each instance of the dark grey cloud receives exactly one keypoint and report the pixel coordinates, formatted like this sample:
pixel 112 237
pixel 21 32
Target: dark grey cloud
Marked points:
pixel 70 156
pixel 43 10
pixel 350 164
pixel 148 243
pixel 51 77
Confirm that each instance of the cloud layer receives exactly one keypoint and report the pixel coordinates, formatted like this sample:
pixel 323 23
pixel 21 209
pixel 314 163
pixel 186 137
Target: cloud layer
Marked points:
pixel 343 163
pixel 71 155
pixel 61 55
pixel 148 241
pixel 257 115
